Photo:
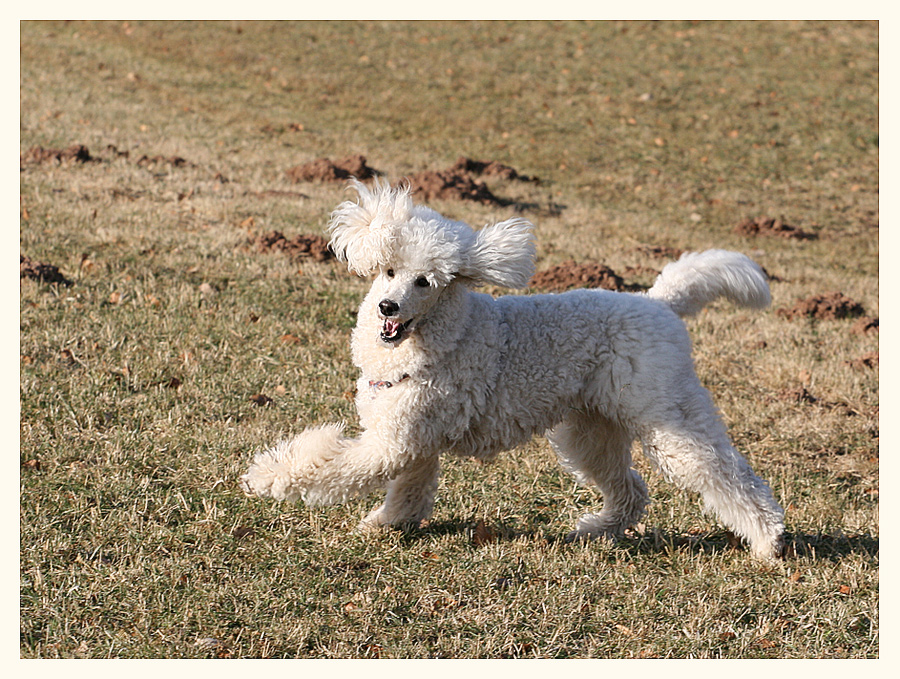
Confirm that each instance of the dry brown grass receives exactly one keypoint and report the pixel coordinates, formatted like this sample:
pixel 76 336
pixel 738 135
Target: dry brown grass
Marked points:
pixel 136 381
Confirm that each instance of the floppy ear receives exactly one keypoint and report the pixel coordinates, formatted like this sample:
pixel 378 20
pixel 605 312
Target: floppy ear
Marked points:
pixel 362 232
pixel 502 254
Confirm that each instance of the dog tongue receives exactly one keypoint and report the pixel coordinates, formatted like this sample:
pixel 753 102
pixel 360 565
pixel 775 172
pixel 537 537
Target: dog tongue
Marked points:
pixel 391 327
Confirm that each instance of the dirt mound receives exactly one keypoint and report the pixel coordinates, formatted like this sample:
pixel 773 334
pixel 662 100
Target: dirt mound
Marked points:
pixel 865 362
pixel 865 326
pixel 797 395
pixel 489 168
pixel 451 185
pixel 303 245
pixel 830 306
pixel 325 170
pixel 570 275
pixel 174 161
pixel 457 182
pixel 80 153
pixel 801 395
pixel 41 271
pixel 77 152
pixel 767 226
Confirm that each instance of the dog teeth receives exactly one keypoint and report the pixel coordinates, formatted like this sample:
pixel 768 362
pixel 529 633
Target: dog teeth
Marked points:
pixel 393 329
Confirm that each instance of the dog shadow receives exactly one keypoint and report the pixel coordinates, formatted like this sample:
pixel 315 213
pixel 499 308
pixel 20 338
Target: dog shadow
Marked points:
pixel 818 546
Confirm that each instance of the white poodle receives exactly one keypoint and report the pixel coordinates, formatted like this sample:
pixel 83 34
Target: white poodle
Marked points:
pixel 446 369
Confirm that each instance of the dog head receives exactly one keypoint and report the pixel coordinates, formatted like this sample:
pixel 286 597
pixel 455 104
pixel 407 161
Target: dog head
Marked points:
pixel 416 253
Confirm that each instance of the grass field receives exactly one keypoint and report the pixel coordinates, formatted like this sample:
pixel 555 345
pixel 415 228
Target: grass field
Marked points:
pixel 179 348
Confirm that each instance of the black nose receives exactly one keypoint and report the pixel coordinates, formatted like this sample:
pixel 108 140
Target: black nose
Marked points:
pixel 388 307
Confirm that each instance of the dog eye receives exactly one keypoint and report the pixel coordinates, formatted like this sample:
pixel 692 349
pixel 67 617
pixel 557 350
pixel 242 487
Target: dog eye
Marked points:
pixel 422 282
pixel 390 273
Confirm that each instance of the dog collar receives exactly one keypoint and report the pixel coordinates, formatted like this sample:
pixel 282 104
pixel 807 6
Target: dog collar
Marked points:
pixel 378 384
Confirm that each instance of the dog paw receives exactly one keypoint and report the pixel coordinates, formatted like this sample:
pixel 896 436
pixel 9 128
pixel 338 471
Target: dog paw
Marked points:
pixel 268 477
pixel 579 536
pixel 246 486
pixel 589 533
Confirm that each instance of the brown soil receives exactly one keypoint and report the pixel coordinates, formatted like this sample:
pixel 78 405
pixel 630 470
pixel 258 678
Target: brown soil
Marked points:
pixel 302 245
pixel 570 275
pixel 451 185
pixel 38 154
pixel 767 226
pixel 865 362
pixel 865 326
pixel 457 181
pixel 797 395
pixel 80 153
pixel 174 161
pixel 490 168
pixel 41 271
pixel 830 306
pixel 325 170
pixel 800 394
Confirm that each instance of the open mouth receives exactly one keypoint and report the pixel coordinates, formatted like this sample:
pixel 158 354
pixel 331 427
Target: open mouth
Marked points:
pixel 392 330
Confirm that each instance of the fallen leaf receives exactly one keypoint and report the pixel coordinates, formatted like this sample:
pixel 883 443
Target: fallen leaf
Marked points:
pixel 261 399
pixel 483 535
pixel 242 532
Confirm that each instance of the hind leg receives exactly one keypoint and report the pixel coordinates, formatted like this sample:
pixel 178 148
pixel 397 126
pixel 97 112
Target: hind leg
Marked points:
pixel 598 452
pixel 410 496
pixel 693 450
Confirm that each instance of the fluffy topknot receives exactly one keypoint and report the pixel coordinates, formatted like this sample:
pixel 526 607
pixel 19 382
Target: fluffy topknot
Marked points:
pixel 384 228
pixel 363 232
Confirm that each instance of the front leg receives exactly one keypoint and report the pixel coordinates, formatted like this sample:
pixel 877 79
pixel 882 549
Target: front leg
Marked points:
pixel 321 466
pixel 410 496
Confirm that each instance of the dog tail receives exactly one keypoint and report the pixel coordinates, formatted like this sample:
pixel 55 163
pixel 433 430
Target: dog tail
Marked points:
pixel 699 278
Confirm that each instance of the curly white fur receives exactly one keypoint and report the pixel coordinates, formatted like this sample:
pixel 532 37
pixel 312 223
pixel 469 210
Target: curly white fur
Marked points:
pixel 447 370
